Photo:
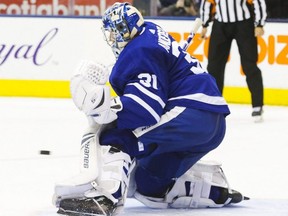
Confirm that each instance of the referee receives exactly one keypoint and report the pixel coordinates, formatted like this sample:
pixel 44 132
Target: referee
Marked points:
pixel 242 20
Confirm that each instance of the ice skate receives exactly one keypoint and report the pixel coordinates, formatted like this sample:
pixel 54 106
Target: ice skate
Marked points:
pixel 96 206
pixel 257 114
pixel 225 196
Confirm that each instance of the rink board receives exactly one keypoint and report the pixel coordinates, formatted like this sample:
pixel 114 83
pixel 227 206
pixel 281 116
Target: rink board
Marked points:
pixel 41 62
pixel 60 89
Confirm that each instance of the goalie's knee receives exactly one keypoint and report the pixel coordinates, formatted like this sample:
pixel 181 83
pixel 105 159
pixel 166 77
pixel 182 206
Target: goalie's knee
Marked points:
pixel 203 185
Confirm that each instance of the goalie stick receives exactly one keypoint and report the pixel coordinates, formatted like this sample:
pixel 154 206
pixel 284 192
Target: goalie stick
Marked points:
pixel 195 28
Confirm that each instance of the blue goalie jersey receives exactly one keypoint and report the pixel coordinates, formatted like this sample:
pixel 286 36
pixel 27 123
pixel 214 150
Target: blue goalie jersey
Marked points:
pixel 153 74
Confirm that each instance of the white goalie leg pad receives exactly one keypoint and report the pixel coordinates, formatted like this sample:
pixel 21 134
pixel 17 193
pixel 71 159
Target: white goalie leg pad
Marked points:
pixel 103 171
pixel 116 167
pixel 114 178
pixel 132 187
pixel 152 202
pixel 89 170
pixel 192 189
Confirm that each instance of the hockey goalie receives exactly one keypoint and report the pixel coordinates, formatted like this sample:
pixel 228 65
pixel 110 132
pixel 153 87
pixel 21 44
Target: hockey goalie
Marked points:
pixel 147 142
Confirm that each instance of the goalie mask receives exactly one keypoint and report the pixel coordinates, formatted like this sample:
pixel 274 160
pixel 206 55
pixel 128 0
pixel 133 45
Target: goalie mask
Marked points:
pixel 121 22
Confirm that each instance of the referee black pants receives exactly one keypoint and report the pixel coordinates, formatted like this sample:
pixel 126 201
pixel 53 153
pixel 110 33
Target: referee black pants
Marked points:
pixel 219 48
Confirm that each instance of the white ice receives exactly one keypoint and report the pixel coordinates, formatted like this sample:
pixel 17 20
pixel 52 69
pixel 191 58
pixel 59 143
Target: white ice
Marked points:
pixel 254 158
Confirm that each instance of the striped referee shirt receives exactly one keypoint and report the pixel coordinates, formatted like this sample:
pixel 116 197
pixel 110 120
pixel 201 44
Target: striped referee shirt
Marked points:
pixel 229 11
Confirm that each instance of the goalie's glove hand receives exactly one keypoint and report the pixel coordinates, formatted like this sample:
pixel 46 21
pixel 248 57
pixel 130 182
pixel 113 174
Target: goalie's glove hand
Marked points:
pixel 94 100
pixel 106 110
pixel 91 95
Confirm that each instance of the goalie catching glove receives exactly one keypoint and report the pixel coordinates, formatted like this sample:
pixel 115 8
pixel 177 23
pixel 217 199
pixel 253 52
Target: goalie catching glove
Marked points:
pixel 91 95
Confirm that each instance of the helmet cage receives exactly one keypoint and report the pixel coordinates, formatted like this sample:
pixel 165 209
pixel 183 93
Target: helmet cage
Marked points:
pixel 121 23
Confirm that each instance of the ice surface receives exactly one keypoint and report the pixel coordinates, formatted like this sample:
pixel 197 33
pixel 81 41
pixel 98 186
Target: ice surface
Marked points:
pixel 254 158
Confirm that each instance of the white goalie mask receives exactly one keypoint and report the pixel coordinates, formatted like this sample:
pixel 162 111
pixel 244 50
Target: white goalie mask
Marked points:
pixel 121 23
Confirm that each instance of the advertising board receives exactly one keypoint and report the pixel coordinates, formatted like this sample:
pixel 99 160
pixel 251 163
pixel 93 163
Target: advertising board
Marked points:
pixel 44 51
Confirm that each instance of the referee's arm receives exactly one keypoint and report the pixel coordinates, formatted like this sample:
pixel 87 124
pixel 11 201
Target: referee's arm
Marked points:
pixel 207 10
pixel 260 12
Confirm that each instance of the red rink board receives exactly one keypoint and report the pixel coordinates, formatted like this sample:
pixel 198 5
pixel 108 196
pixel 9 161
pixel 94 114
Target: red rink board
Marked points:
pixel 56 7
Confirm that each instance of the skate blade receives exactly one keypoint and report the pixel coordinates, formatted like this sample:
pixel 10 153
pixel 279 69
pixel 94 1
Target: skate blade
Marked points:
pixel 257 119
pixel 246 198
pixel 74 213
